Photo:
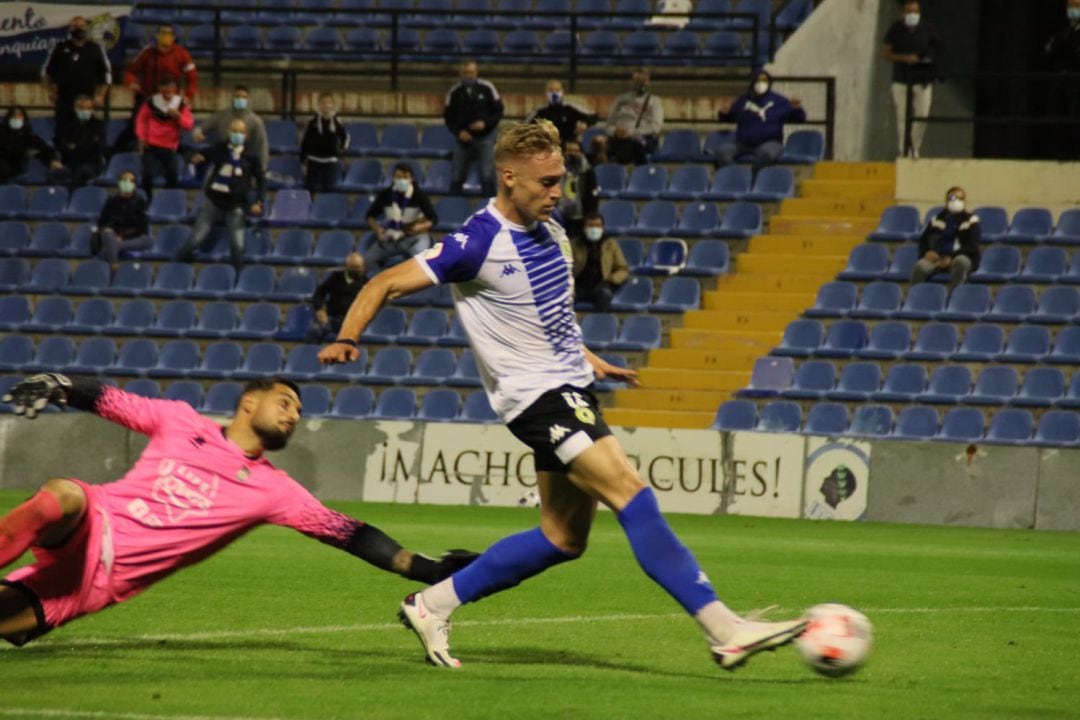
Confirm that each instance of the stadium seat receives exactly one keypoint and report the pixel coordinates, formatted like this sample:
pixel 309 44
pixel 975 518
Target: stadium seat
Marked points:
pixel 316 400
pixel 741 220
pixel 353 402
pixel 887 341
pixel 388 324
pixel 1057 305
pixel 771 377
pixel 994 386
pixel 167 242
pixel 15 312
pixel 177 359
pixel 135 317
pixel 858 381
pixel 803 147
pixel 398 140
pixel 426 327
pixel 600 46
pixel 999 263
pixel 772 184
pixel 221 398
pixel 136 358
pixel 936 341
pixel 291 207
pixel 646 182
pixel 47 203
pixel 903 383
pixel 1058 427
pixel 389 366
pixel 144 387
pixel 322 41
pixel 967 302
pixel 610 180
pixel 1045 265
pixel 688 182
pixel 217 319
pixel 729 183
pixel 598 330
pixel 131 278
pixel 435 142
pixel 801 338
pixel 677 295
pixel 329 210
pixel 51 314
pixel 258 321
pixel 698 220
pixel 14 237
pixel 780 416
pixel 1066 348
pixel 924 301
pixel 1042 387
pixel 168 206
pixel 302 364
pixel 453 211
pixel 916 423
pixel 365 175
pixel 12 201
pixel 707 258
pixel 332 247
pixel 1013 303
pixel 638 332
pixel 16 352
pixel 634 295
pixel 466 374
pixel 477 408
pixel 175 318
pixel 1067 231
pixel 221 360
pixel 949 384
pixel 812 380
pixel 363 43
pixel 1027 344
pixel 899 223
pixel 826 419
pixel 1072 394
pixel 213 282
pixel 1011 427
pixel 844 339
pixel 254 283
pixel 880 300
pixel 90 277
pixel 666 256
pixel 994 222
pixel 93 356
pixel 903 262
pixel 395 404
pixel 292 246
pixel 723 47
pixel 261 359
pixel 680 47
pixel 633 249
pixel 48 277
pixel 678 146
pixel 871 421
pixel 118 165
pixel 619 216
pixel 866 262
pixel 982 343
pixel 92 316
pixel 456 336
pixel 433 367
pixel 50 239
pixel 735 415
pixel 1030 225
pixel 657 218
pixel 440 406
pixel 962 425
pixel 834 299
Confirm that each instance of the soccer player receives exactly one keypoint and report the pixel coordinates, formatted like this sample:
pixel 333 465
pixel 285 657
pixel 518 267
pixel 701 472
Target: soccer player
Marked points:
pixel 195 488
pixel 510 266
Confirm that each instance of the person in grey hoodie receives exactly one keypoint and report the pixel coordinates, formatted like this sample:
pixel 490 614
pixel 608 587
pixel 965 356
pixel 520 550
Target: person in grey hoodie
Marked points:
pixel 218 125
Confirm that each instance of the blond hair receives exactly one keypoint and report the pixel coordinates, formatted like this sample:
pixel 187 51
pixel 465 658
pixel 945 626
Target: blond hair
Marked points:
pixel 523 140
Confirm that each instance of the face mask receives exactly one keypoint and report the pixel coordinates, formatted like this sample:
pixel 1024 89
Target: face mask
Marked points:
pixel 84 115
pixel 328 114
pixel 354 274
pixel 760 88
pixel 236 138
pixel 78 34
pixel 1073 13
pixel 402 185
pixel 554 98
pixel 126 186
pixel 240 103
pixel 955 206
pixel 469 82
pixel 642 89
pixel 911 19
pixel 16 123
pixel 594 233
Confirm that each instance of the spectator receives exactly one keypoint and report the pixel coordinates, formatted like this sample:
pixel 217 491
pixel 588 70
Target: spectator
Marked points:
pixel 17 141
pixel 569 119
pixel 633 124
pixel 325 140
pixel 913 47
pixel 472 112
pixel 158 126
pixel 600 268
pixel 232 170
pixel 1062 55
pixel 158 60
pixel 219 123
pixel 759 116
pixel 77 66
pixel 579 193
pixel 401 218
pixel 80 147
pixel 950 243
pixel 334 297
pixel 123 226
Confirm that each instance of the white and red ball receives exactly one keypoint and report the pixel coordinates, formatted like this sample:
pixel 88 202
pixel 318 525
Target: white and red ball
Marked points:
pixel 837 640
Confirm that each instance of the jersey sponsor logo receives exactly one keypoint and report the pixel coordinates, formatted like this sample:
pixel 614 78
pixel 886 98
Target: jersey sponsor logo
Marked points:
pixel 581 408
pixel 461 239
pixel 509 269
pixel 183 492
pixel 558 432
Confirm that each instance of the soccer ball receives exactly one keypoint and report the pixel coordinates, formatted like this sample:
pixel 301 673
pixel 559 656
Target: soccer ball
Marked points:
pixel 837 639
pixel 530 499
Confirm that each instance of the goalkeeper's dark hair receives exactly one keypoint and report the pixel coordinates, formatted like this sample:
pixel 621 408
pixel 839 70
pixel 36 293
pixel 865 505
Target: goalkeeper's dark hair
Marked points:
pixel 266 383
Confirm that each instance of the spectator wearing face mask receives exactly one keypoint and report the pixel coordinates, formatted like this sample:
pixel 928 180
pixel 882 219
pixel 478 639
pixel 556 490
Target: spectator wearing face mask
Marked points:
pixel 18 142
pixel 472 111
pixel 235 182
pixel 80 147
pixel 240 109
pixel 950 243
pixel 322 146
pixel 401 218
pixel 569 119
pixel 75 66
pixel 633 125
pixel 600 268
pixel 334 297
pixel 160 59
pixel 913 47
pixel 159 124
pixel 579 193
pixel 1062 57
pixel 123 226
pixel 759 116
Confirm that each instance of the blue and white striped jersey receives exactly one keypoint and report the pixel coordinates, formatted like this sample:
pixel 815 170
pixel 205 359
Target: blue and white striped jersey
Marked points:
pixel 513 290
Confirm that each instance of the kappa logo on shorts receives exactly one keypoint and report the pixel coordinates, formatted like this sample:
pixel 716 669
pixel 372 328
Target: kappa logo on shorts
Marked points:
pixel 509 269
pixel 558 432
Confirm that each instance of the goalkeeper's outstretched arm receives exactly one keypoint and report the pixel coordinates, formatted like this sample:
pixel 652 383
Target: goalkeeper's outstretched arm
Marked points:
pixel 30 396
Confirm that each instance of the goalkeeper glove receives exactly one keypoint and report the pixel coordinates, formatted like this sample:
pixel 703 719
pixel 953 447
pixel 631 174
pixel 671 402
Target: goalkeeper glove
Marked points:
pixel 30 396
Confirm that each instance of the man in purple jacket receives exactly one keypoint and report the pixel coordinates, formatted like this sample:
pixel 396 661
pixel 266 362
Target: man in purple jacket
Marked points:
pixel 759 116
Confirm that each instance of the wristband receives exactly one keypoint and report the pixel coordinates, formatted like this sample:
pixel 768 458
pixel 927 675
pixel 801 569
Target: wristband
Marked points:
pixel 346 341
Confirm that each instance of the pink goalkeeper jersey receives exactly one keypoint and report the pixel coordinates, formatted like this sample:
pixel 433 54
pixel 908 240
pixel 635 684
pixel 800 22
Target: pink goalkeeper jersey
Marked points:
pixel 192 492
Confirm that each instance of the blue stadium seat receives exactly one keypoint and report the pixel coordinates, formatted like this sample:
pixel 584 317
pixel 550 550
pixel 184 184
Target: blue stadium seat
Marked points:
pixel 12 201
pixel 388 324
pixel 812 380
pixel 949 384
pixel 281 134
pixel 221 360
pixel 1058 427
pixel 679 146
pixel 291 207
pixel 999 263
pixel 353 402
pixel 119 164
pixel 47 203
pixel 477 408
pixel 1045 265
pixel 741 220
pixel 49 276
pixel 729 183
pixel 982 343
pixel 427 297
pixel 899 223
pixel 924 301
pixel 666 256
pixel 1011 427
pixel 302 364
pixel 167 242
pixel 434 366
pixel 633 250
pixel 293 246
pixel 638 332
pixel 143 387
pixel 332 247
pixel 936 341
pixel 610 180
pixel 222 398
pixel 214 282
pixel 1066 348
pixel 316 400
pixel 15 312
pixel 283 172
pixel 634 295
pixel 91 316
pixel 1030 225
pixel 771 377
pixel 677 295
pixel 258 322
pixel 903 383
pixel 51 314
pixel 967 302
pixel 1067 231
pixel 916 423
pixel 438 177
pixel 680 47
pixel 736 415
pixel 880 300
pixel 426 327
pixel 329 210
pixel 390 366
pixel 175 318
pixel 262 359
pixel 598 330
pixel 136 358
pixel 466 374
pixel 844 339
pixel 14 237
pixel 1042 387
pixel 801 338
pixel 1072 394
pixel 1027 344
pixel 803 147
pixel 80 241
pixel 395 404
pixel 256 282
pixel 1057 305
pixel 362 43
pixel 440 406
pixel 177 359
pixel 600 46
pixel 834 299
pixel 887 341
pixel 962 425
pixel 168 206
pixel 826 419
pixel 698 220
pixel 657 217
pixel 646 182
pixel 780 416
pixel 707 258
pixel 723 47
pixel 480 42
pixel 871 421
pixel 217 319
pixel 285 40
pixel 866 262
pixel 1072 276
pixel 619 216
pixel 995 386
pixel 452 211
pixel 93 356
pixel 86 203
pixel 772 184
pixel 16 352
pixel 1013 303
pixel 435 142
pixel 903 262
pixel 456 336
pixel 135 317
pixel 557 49
pixel 131 278
pixel 365 175
pixel 398 140
pixel 688 182
pixel 858 381
pixel 90 277
pixel 322 41
pixel 296 324
pixel 50 239
pixel 994 222
pixel 243 41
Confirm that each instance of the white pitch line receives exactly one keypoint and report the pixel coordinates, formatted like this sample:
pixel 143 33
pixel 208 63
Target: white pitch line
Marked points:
pixel 558 620
pixel 111 715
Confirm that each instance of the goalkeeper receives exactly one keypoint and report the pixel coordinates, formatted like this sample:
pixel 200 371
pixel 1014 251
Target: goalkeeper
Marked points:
pixel 195 488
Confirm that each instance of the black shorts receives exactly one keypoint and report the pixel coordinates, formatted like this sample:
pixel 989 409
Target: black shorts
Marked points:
pixel 559 426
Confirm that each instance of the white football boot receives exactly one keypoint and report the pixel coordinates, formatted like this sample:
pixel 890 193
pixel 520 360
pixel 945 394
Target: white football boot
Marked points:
pixel 751 637
pixel 432 630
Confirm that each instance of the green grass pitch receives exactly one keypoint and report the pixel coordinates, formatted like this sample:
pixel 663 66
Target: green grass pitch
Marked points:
pixel 969 624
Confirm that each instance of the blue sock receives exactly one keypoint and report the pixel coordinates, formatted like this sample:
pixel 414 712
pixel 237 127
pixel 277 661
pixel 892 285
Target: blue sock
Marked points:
pixel 660 554
pixel 507 563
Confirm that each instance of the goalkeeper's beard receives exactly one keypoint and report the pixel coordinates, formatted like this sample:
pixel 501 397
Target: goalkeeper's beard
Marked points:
pixel 272 438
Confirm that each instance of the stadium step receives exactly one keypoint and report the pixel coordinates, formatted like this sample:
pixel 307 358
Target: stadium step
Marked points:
pixel 757 301
pixel 816 265
pixel 835 207
pixel 855 171
pixel 735 320
pixel 761 282
pixel 630 417
pixel 651 399
pixel 727 340
pixel 848 189
pixel 804 244
pixel 809 225
pixel 698 359
pixel 685 379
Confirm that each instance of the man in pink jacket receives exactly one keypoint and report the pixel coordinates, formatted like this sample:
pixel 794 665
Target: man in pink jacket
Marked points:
pixel 160 121
pixel 195 488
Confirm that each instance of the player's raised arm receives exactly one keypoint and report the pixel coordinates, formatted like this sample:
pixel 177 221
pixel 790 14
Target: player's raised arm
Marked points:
pixel 402 279
pixel 140 414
